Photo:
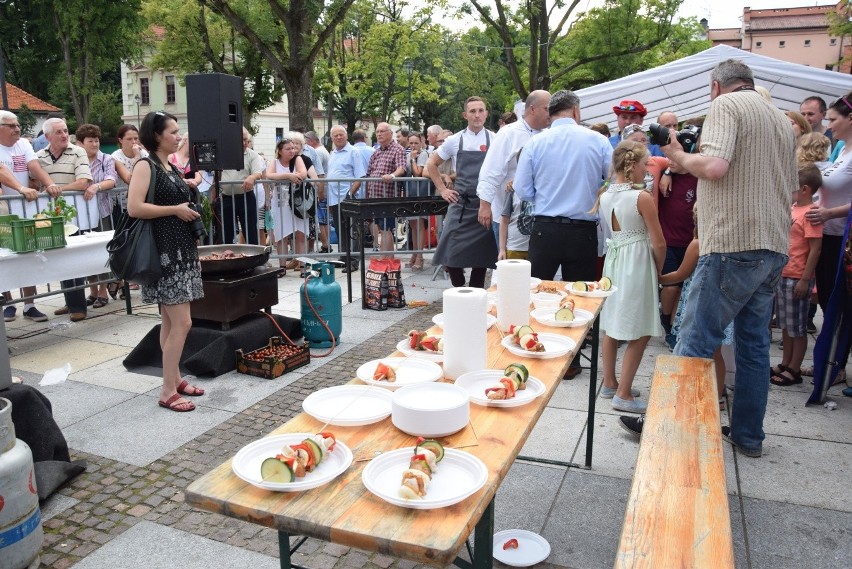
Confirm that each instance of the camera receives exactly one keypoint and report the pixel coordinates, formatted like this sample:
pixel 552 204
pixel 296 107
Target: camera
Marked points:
pixel 687 137
pixel 197 225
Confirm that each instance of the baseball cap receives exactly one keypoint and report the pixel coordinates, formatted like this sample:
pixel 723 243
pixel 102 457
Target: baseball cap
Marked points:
pixel 630 107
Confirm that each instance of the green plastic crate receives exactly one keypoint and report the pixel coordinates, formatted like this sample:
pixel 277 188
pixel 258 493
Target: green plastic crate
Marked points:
pixel 17 234
pixel 50 237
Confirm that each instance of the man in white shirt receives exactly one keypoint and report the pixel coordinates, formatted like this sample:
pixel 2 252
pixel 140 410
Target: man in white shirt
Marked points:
pixel 345 162
pixel 500 163
pixel 238 201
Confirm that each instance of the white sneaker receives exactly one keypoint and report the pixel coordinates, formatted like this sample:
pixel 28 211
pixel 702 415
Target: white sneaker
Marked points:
pixel 629 406
pixel 609 392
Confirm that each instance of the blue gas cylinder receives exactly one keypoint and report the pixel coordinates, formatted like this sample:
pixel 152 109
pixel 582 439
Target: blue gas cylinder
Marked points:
pixel 324 294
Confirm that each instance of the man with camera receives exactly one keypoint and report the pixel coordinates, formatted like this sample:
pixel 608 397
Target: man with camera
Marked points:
pixel 746 171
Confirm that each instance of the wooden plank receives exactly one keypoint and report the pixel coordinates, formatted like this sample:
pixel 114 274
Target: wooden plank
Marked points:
pixel 677 513
pixel 344 512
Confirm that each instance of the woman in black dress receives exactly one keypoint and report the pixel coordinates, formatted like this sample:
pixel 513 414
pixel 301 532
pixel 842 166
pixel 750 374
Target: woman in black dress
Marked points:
pixel 181 281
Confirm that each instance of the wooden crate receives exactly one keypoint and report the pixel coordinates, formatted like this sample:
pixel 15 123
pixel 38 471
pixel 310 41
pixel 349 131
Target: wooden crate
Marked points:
pixel 272 366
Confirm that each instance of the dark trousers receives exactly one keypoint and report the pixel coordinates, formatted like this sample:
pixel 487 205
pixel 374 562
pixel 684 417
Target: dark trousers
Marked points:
pixel 344 240
pixel 75 300
pixel 242 209
pixel 573 247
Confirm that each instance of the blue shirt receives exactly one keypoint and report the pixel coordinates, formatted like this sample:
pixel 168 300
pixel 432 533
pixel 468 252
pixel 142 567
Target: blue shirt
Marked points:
pixel 653 149
pixel 364 152
pixel 562 169
pixel 343 163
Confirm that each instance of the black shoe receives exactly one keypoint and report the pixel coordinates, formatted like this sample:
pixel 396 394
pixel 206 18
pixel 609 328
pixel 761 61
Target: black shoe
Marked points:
pixel 350 269
pixel 726 434
pixel 632 425
pixel 811 327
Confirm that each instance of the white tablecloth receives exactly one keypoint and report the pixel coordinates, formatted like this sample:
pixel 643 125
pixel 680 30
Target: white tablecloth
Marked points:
pixel 84 255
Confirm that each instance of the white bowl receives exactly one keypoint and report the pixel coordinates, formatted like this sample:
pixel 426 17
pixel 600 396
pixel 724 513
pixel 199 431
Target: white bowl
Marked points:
pixel 546 299
pixel 430 409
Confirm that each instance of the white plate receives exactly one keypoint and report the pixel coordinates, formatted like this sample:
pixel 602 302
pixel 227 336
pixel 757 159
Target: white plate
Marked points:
pixel 555 346
pixel 426 355
pixel 246 463
pixel 476 382
pixel 69 229
pixel 408 371
pixel 547 316
pixel 534 281
pixel 349 405
pixel 490 320
pixel 592 293
pixel 532 548
pixel 458 476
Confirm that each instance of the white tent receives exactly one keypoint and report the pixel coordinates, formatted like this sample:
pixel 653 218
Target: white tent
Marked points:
pixel 683 86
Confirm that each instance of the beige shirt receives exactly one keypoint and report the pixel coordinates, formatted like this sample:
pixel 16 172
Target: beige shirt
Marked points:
pixel 748 208
pixel 252 164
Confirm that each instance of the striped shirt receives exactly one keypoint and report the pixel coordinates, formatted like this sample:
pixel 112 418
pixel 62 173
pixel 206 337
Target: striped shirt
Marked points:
pixel 748 208
pixel 68 167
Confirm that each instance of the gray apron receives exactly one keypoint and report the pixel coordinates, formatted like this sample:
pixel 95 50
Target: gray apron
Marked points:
pixel 464 242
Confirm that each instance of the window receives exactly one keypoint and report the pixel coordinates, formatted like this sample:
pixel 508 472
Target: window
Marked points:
pixel 170 89
pixel 833 41
pixel 782 43
pixel 145 90
pixel 279 134
pixel 807 43
pixel 759 44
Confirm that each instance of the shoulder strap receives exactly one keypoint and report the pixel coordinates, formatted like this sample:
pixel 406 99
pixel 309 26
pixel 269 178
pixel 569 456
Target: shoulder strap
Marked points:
pixel 153 182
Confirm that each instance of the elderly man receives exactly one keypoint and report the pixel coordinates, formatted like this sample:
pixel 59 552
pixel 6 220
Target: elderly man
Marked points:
pixel 746 172
pixel 387 163
pixel 432 134
pixel 631 112
pixel 667 119
pixel 68 166
pixel 365 151
pixel 344 162
pixel 464 242
pixel 500 163
pixel 19 164
pixel 237 202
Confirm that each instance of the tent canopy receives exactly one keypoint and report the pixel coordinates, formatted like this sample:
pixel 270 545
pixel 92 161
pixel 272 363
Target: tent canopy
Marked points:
pixel 683 86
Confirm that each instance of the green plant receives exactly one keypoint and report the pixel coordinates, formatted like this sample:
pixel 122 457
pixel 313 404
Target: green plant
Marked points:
pixel 60 208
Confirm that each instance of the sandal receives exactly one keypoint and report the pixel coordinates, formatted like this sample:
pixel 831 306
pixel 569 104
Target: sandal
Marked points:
pixel 196 391
pixel 113 288
pixel 785 381
pixel 90 300
pixel 100 302
pixel 173 404
pixel 781 369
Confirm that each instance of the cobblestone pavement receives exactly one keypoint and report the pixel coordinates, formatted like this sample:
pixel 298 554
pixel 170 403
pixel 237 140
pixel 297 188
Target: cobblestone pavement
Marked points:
pixel 113 496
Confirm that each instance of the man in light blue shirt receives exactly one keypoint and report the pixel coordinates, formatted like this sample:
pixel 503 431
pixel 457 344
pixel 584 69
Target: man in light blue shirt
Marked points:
pixel 359 142
pixel 561 171
pixel 344 162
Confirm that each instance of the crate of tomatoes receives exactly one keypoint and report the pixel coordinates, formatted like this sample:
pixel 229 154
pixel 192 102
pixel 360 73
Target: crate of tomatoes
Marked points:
pixel 273 360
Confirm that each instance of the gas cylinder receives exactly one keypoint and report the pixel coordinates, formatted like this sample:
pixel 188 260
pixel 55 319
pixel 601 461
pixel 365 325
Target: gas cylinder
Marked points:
pixel 324 294
pixel 21 534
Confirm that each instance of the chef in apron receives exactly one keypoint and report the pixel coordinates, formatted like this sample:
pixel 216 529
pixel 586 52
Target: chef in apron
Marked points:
pixel 464 242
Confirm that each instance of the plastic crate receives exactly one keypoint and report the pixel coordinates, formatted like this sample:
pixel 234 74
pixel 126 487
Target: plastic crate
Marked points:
pixel 272 366
pixel 17 234
pixel 50 237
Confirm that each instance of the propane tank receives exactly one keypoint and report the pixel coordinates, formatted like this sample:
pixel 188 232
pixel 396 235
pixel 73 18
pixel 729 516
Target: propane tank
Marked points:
pixel 21 534
pixel 324 293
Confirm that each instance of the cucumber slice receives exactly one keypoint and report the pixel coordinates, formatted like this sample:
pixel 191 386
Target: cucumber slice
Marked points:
pixel 524 330
pixel 564 315
pixel 315 450
pixel 606 283
pixel 518 370
pixel 436 447
pixel 579 285
pixel 273 470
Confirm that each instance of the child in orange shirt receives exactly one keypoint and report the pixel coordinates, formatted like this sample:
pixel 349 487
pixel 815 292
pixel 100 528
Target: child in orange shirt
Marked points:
pixel 793 291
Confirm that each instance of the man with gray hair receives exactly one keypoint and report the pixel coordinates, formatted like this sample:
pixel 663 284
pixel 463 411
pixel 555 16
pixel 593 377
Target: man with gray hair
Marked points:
pixel 237 202
pixel 432 134
pixel 344 162
pixel 746 170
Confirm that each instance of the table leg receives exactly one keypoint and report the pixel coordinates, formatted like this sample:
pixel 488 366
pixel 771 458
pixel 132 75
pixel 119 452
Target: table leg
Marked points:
pixel 593 388
pixel 285 551
pixel 347 227
pixel 483 542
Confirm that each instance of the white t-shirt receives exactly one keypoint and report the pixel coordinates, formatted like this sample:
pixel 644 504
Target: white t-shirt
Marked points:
pixel 16 158
pixel 837 190
pixel 472 141
pixel 516 240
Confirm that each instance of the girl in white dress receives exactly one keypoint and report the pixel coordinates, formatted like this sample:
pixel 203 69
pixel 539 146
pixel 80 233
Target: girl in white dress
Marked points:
pixel 634 260
pixel 278 199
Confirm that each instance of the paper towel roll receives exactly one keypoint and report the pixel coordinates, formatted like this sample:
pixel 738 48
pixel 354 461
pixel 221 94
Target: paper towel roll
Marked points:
pixel 513 293
pixel 465 330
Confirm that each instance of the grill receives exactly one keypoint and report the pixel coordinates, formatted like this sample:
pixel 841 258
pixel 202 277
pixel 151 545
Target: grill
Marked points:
pixel 230 297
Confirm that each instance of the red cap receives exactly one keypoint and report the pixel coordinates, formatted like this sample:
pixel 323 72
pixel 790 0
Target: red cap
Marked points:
pixel 630 107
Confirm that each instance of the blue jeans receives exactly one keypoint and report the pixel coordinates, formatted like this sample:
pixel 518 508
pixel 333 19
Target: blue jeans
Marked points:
pixel 735 287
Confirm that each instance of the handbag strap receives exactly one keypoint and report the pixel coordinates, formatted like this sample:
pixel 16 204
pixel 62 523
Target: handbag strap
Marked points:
pixel 153 181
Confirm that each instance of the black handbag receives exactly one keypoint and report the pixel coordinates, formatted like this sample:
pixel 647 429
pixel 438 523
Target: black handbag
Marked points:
pixel 133 254
pixel 303 198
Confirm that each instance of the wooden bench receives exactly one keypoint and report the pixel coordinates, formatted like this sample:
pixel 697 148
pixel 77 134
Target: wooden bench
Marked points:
pixel 677 513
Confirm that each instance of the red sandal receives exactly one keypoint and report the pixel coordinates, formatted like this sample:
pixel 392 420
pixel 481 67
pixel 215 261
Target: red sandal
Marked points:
pixel 173 404
pixel 181 388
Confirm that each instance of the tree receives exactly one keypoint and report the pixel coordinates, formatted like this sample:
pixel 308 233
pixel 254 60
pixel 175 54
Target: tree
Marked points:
pixel 289 35
pixel 840 24
pixel 534 17
pixel 27 120
pixel 29 46
pixel 197 40
pixel 93 37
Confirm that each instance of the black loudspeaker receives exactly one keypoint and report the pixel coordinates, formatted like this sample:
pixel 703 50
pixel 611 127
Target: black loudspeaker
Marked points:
pixel 214 103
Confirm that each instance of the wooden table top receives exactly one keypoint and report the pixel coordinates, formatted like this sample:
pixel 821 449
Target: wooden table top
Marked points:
pixel 345 512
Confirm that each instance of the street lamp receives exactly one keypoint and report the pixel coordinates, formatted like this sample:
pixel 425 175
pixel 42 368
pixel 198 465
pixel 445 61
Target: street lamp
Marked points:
pixel 138 100
pixel 409 68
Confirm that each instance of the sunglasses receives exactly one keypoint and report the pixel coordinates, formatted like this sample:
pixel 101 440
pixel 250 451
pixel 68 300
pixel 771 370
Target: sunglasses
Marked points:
pixel 627 108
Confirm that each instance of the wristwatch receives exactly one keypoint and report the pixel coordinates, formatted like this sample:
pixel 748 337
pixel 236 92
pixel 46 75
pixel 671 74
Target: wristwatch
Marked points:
pixel 667 172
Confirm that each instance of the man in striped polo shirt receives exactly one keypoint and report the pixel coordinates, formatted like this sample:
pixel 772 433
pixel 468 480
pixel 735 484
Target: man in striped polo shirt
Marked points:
pixel 746 172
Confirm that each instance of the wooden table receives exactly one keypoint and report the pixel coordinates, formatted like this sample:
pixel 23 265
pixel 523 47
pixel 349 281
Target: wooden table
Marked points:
pixel 345 512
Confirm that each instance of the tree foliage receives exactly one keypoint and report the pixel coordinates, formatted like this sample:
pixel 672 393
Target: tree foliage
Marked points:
pixel 840 23
pixel 289 35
